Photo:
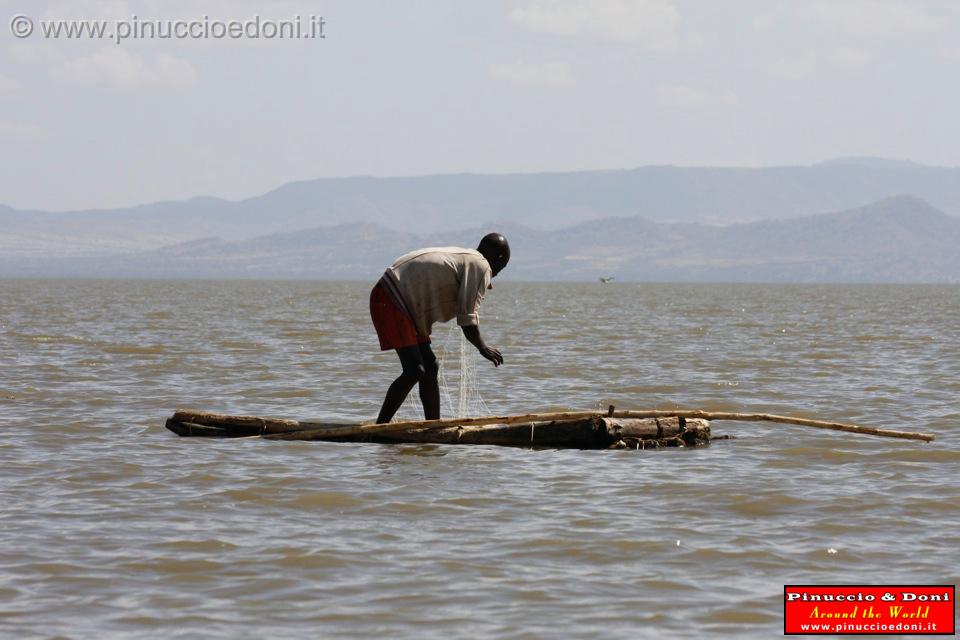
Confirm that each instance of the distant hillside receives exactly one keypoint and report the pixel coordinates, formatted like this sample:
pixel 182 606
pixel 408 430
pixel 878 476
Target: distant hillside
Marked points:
pixel 441 203
pixel 901 239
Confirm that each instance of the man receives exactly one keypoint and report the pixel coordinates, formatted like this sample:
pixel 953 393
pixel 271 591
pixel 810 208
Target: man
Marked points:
pixel 424 287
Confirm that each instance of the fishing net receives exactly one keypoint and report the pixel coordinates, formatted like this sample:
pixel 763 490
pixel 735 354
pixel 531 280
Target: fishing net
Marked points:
pixel 458 380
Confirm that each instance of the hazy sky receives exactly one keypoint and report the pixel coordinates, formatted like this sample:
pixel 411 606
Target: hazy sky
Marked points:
pixel 406 88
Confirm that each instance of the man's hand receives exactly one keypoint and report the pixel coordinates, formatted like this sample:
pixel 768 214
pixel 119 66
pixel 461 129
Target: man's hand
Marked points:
pixel 492 355
pixel 472 333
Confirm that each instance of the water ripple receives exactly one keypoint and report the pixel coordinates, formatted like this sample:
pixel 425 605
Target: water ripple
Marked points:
pixel 113 526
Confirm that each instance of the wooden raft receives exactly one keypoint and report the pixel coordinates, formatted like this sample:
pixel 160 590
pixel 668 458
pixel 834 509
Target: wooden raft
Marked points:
pixel 575 430
pixel 568 430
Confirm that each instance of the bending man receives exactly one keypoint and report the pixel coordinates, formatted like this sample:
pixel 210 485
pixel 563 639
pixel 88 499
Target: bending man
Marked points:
pixel 424 287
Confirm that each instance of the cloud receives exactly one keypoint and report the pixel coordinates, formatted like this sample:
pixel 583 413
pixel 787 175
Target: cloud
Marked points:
pixel 950 53
pixel 110 66
pixel 650 24
pixel 232 9
pixel 118 68
pixel 89 10
pixel 180 9
pixel 878 18
pixel 8 85
pixel 544 75
pixel 794 69
pixel 10 129
pixel 762 23
pixel 677 96
pixel 28 53
pixel 850 57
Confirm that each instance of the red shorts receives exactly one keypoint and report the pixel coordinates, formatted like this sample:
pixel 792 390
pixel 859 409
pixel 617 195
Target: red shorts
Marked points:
pixel 394 328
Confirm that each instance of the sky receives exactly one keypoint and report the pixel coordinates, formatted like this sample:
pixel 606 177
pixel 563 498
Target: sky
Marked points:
pixel 448 86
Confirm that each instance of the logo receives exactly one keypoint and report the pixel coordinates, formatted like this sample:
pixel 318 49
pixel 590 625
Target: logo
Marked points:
pixel 869 609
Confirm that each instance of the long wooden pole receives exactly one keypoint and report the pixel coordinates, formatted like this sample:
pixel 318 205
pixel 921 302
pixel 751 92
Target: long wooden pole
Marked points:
pixel 770 417
pixel 369 429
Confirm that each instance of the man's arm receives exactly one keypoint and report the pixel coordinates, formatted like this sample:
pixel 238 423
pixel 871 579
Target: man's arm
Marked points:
pixel 472 333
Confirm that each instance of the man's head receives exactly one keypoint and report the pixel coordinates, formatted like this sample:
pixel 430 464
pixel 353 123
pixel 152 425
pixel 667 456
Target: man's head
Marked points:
pixel 495 249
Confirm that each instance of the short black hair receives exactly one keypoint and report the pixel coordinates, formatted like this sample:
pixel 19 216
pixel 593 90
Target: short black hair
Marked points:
pixel 496 250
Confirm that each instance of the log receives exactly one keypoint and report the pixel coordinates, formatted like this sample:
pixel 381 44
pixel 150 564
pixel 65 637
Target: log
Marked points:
pixel 197 430
pixel 645 429
pixel 643 433
pixel 584 433
pixel 325 432
pixel 242 426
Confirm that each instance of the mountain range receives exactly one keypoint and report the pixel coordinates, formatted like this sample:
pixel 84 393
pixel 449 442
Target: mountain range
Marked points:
pixel 896 239
pixel 859 219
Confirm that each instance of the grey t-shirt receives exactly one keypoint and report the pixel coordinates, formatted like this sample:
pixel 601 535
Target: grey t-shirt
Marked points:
pixel 440 283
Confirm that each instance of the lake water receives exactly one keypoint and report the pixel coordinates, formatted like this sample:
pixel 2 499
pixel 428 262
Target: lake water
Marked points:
pixel 114 527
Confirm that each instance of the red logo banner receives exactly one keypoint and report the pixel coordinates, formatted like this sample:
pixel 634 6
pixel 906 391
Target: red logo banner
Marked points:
pixel 874 609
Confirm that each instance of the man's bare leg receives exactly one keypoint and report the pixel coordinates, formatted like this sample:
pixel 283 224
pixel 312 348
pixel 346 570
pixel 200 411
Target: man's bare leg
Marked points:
pixel 413 372
pixel 429 387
